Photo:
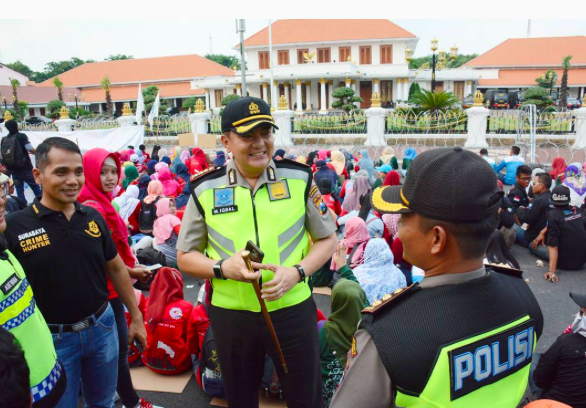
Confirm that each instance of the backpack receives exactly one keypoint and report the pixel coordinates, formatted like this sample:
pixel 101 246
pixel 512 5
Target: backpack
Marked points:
pixel 208 366
pixel 147 216
pixel 13 152
pixel 149 256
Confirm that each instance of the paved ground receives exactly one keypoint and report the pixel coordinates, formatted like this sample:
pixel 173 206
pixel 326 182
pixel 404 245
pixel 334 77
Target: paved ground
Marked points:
pixel 554 300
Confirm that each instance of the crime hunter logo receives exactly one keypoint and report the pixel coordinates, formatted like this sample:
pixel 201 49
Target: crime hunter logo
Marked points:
pixel 29 241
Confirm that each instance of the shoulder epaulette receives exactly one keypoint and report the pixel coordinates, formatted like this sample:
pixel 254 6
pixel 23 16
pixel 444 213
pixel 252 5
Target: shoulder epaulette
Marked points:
pixel 289 162
pixel 388 298
pixel 201 174
pixel 505 270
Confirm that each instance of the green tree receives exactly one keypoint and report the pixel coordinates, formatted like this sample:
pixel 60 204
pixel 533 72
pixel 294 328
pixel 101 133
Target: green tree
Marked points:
pixel 59 85
pixel 538 96
pixel 544 81
pixel 105 84
pixel 229 98
pixel 55 68
pixel 413 89
pixel 229 61
pixel 22 105
pixel 345 100
pixel 434 101
pixel 564 85
pixel 75 113
pixel 119 57
pixel 23 69
pixel 14 83
pixel 149 95
pixel 189 103
pixel 53 108
pixel 426 61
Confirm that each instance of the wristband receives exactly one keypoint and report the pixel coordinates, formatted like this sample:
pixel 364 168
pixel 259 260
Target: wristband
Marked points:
pixel 301 272
pixel 218 270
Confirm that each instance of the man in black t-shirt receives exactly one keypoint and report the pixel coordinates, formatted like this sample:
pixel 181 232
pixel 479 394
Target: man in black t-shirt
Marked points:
pixel 535 215
pixel 518 193
pixel 22 170
pixel 566 236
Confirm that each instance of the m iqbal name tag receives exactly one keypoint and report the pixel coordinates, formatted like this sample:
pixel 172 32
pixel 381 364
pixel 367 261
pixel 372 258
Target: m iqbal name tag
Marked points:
pixel 224 201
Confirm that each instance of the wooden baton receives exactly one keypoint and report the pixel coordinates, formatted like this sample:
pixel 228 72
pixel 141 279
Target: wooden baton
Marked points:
pixel 246 256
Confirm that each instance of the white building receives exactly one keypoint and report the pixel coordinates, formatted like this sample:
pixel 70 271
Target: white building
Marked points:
pixel 7 73
pixel 314 57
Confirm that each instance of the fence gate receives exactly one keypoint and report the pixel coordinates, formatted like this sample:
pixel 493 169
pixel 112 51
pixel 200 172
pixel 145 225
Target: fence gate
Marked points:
pixel 527 126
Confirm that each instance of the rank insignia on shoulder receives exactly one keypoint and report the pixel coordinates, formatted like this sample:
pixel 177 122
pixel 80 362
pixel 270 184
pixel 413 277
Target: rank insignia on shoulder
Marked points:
pixel 388 298
pixel 271 174
pixel 506 269
pixel 232 179
pixel 353 350
pixel 202 173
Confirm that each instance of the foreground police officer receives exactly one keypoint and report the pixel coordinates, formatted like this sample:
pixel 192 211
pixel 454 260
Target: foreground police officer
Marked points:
pixel 464 337
pixel 277 206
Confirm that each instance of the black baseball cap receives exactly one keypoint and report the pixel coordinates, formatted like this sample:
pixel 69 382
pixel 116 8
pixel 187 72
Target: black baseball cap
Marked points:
pixel 560 195
pixel 244 114
pixel 447 184
pixel 578 298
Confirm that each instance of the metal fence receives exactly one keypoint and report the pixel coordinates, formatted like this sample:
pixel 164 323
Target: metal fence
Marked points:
pixel 168 126
pixel 329 124
pixel 408 121
pixel 517 121
pixel 215 125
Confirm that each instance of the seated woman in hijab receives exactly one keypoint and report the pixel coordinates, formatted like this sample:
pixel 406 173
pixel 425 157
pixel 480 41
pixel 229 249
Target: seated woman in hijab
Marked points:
pixel 143 185
pixel 171 188
pixel 323 171
pixel 339 163
pixel 336 333
pixel 197 162
pixel 575 181
pixel 220 159
pixel 355 239
pixel 279 154
pixel 129 208
pixel 366 163
pixel 388 157
pixel 148 207
pixel 143 153
pixel 167 160
pixel 166 230
pixel 151 167
pixel 378 275
pixel 182 173
pixel 352 190
pixel 167 320
pixel 130 178
pixel 408 156
pixel 558 170
pixel 182 199
pixel 374 224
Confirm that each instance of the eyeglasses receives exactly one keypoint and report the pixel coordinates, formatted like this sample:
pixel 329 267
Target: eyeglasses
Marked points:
pixel 525 178
pixel 535 184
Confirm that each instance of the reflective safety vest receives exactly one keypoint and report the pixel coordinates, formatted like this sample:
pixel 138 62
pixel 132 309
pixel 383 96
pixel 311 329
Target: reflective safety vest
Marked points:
pixel 20 316
pixel 461 345
pixel 273 218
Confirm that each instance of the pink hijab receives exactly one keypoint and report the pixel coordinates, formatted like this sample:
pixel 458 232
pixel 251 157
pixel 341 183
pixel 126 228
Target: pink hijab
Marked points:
pixel 356 236
pixel 154 190
pixel 322 154
pixel 360 186
pixel 164 224
pixel 169 184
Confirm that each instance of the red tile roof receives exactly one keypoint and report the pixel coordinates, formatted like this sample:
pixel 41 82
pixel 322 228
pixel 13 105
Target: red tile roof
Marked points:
pixel 303 31
pixel 142 70
pixel 130 92
pixel 526 77
pixel 37 94
pixel 530 52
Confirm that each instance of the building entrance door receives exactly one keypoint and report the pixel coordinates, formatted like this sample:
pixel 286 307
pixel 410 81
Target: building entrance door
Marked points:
pixel 365 94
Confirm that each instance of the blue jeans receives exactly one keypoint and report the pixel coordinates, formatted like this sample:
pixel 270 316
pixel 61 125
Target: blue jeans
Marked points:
pixel 541 251
pixel 24 176
pixel 90 355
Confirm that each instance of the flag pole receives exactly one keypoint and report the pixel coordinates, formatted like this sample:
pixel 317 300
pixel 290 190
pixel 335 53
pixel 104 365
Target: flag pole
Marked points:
pixel 272 88
pixel 240 28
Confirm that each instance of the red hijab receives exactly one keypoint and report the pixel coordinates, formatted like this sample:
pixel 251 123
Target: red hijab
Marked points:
pixel 558 167
pixel 167 287
pixel 393 179
pixel 93 195
pixel 200 156
pixel 169 184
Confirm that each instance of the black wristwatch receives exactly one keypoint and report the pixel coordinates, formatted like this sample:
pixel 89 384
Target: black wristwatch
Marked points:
pixel 301 272
pixel 218 270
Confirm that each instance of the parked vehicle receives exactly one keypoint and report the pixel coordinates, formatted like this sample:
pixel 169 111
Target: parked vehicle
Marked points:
pixel 467 103
pixel 500 101
pixel 35 120
pixel 516 99
pixel 574 103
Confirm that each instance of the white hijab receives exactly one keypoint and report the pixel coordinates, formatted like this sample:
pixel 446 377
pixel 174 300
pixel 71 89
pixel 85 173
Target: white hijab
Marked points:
pixel 579 324
pixel 128 201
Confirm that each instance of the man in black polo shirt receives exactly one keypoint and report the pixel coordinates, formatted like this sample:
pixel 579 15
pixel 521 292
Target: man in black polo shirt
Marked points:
pixel 67 252
pixel 535 215
pixel 518 193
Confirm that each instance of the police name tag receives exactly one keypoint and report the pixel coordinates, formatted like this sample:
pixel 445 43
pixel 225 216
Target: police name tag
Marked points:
pixel 9 284
pixel 224 201
pixel 491 359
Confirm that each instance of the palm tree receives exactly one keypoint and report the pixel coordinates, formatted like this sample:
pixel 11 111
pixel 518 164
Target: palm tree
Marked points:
pixel 434 101
pixel 564 86
pixel 106 87
pixel 15 84
pixel 59 85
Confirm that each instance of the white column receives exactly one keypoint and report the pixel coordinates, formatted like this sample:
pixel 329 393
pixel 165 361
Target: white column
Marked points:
pixel 298 99
pixel 467 88
pixel 64 125
pixel 283 121
pixel 331 93
pixel 199 125
pixel 208 107
pixel 274 95
pixel 375 86
pixel 308 96
pixel 265 94
pixel 353 85
pixel 580 126
pixel 126 121
pixel 323 109
pixel 239 90
pixel 406 86
pixel 348 82
pixel 287 86
pixel 477 117
pixel 100 107
pixel 375 127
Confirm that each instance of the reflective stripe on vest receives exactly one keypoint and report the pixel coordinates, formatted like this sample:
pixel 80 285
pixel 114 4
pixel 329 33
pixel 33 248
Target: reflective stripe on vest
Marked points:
pixel 494 374
pixel 279 231
pixel 19 315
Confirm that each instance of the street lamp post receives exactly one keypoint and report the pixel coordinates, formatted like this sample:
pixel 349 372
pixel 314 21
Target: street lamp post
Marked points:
pixel 550 76
pixel 439 61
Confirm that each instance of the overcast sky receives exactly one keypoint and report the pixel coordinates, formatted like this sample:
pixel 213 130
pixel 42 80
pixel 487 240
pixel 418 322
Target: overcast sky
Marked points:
pixel 36 42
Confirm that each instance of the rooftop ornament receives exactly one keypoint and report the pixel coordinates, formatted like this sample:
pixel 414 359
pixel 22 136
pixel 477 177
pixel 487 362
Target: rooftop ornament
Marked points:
pixel 376 99
pixel 283 104
pixel 126 110
pixel 64 113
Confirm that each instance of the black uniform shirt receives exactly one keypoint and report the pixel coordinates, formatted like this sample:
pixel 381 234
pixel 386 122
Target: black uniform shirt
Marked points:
pixel 535 215
pixel 561 371
pixel 64 261
pixel 507 214
pixel 518 197
pixel 565 230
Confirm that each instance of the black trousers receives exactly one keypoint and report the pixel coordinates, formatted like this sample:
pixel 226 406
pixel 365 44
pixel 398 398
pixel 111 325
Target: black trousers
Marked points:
pixel 242 339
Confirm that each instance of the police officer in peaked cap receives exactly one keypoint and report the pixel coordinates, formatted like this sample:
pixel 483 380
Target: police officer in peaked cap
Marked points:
pixel 277 206
pixel 464 336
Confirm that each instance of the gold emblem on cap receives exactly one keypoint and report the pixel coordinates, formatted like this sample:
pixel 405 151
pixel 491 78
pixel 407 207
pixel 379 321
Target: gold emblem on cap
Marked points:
pixel 253 108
